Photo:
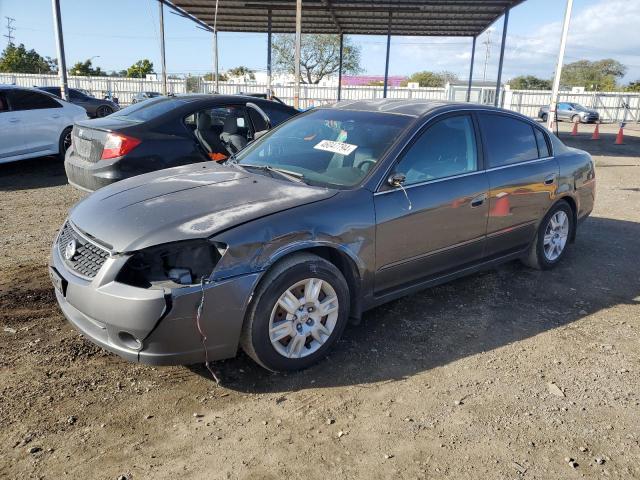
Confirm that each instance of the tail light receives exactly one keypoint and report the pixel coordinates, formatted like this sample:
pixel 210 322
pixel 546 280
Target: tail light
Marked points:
pixel 117 145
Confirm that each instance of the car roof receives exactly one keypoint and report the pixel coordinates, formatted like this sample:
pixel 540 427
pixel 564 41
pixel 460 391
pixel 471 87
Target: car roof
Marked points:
pixel 411 107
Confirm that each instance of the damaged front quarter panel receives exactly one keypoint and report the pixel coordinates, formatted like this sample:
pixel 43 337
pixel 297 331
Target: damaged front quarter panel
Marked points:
pixel 344 223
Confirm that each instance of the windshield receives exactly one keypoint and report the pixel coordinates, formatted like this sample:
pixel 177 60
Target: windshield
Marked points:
pixel 141 112
pixel 577 106
pixel 329 147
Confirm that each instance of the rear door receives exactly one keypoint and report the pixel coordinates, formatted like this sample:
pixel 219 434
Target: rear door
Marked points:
pixel 523 178
pixel 40 116
pixel 436 222
pixel 12 142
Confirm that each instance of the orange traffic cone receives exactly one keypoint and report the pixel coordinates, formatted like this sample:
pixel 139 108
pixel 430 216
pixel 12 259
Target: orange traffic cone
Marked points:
pixel 574 132
pixel 501 207
pixel 620 137
pixel 596 133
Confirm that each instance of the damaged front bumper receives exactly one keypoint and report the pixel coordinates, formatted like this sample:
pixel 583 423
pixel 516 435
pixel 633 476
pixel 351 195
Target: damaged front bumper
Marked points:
pixel 153 326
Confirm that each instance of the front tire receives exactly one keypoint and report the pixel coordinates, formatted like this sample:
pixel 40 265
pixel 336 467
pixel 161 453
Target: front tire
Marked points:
pixel 553 237
pixel 576 119
pixel 64 143
pixel 297 314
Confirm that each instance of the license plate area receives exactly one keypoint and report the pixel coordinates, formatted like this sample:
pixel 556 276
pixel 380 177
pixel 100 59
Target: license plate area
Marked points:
pixel 59 283
pixel 82 147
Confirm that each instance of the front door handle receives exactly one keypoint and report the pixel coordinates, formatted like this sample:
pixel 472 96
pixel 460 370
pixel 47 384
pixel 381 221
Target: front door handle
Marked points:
pixel 550 179
pixel 479 200
pixel 14 120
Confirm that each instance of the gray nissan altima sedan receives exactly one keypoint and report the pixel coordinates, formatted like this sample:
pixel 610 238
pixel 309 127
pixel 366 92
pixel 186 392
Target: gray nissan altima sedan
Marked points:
pixel 328 215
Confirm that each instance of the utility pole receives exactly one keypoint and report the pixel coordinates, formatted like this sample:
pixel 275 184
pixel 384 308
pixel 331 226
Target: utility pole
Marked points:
pixel 551 115
pixel 62 64
pixel 487 54
pixel 10 29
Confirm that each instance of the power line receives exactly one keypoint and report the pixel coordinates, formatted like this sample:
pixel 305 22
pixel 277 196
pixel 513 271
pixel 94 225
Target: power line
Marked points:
pixel 10 29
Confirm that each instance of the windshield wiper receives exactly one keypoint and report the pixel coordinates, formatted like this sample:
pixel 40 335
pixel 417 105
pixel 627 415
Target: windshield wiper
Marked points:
pixel 288 174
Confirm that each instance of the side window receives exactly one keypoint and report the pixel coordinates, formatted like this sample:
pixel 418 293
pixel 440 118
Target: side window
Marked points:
pixel 276 114
pixel 4 105
pixel 446 148
pixel 564 106
pixel 76 95
pixel 28 100
pixel 507 140
pixel 543 147
pixel 256 119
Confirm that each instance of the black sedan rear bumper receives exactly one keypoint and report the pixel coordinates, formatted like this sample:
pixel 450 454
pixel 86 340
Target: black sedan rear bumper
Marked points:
pixel 91 176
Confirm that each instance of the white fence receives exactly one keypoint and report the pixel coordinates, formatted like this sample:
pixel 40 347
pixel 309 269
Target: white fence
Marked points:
pixel 612 106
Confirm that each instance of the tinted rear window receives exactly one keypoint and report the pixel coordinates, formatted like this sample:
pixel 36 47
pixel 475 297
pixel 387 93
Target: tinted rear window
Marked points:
pixel 144 111
pixel 543 148
pixel 30 100
pixel 507 140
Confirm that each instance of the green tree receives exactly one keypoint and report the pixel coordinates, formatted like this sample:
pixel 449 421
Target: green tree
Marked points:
pixel 599 75
pixel 319 56
pixel 140 69
pixel 86 69
pixel 17 59
pixel 241 72
pixel 430 79
pixel 530 82
pixel 221 77
pixel 633 86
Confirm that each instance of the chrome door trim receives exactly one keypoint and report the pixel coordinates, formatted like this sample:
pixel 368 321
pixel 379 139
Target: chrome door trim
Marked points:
pixel 427 182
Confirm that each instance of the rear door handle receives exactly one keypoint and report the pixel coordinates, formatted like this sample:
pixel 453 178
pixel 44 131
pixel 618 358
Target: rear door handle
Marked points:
pixel 550 179
pixel 14 120
pixel 479 200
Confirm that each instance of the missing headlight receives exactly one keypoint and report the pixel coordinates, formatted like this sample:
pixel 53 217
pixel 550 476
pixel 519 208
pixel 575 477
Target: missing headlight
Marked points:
pixel 171 264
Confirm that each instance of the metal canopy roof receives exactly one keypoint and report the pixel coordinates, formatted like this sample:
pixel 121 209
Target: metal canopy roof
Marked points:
pixel 450 18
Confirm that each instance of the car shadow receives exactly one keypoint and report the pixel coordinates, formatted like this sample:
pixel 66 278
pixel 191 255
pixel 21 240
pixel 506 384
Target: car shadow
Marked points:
pixel 466 317
pixel 33 173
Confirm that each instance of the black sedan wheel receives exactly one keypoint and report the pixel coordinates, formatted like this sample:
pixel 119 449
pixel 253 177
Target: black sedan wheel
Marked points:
pixel 297 314
pixel 552 239
pixel 64 143
pixel 103 111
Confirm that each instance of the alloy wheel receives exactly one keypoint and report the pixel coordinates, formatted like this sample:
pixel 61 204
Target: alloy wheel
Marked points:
pixel 556 235
pixel 303 318
pixel 66 141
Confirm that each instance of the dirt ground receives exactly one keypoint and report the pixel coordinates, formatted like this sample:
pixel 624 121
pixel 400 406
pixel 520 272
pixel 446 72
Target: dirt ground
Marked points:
pixel 512 373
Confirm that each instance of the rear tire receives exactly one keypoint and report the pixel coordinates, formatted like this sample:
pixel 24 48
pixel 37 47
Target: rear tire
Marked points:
pixel 552 238
pixel 103 111
pixel 286 327
pixel 64 143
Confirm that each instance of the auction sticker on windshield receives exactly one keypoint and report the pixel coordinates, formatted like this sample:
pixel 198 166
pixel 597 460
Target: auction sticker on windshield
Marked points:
pixel 336 147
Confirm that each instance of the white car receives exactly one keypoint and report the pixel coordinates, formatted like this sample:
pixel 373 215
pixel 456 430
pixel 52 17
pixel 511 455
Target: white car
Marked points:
pixel 34 123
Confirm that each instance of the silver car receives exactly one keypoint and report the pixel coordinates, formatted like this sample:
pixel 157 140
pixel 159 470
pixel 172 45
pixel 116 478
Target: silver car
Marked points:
pixel 570 112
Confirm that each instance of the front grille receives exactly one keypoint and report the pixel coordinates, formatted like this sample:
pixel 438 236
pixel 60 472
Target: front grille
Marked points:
pixel 88 257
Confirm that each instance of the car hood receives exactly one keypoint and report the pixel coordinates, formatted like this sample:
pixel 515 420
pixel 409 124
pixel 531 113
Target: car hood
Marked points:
pixel 182 203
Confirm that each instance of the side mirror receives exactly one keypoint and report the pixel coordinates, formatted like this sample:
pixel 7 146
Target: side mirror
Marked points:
pixel 396 180
pixel 259 134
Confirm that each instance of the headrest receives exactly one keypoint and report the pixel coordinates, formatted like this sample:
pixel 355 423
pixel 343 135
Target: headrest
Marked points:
pixel 230 125
pixel 203 120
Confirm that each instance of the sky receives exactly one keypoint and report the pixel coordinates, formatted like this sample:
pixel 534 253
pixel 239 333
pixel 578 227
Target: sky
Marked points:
pixel 120 32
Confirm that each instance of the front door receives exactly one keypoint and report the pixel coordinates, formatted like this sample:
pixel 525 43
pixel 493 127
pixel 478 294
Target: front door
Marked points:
pixel 523 178
pixel 436 221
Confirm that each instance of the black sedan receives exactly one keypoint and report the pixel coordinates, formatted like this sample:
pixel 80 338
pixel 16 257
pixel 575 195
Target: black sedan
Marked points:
pixel 95 107
pixel 166 132
pixel 335 212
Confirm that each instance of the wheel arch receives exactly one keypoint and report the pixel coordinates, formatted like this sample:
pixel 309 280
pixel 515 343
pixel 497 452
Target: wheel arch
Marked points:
pixel 344 260
pixel 574 210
